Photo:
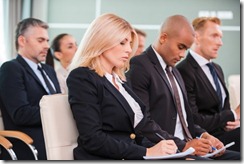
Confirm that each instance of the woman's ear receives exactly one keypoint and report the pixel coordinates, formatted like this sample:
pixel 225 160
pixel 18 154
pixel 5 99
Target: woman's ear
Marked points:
pixel 58 55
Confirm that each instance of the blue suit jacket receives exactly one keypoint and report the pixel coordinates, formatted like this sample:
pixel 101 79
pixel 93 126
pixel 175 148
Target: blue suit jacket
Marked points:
pixel 20 93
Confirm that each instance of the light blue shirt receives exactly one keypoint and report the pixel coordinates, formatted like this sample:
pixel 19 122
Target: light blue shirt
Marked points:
pixel 33 66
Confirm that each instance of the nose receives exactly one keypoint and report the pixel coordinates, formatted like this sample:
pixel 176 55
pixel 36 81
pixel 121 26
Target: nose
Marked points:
pixel 128 48
pixel 182 54
pixel 46 45
pixel 220 42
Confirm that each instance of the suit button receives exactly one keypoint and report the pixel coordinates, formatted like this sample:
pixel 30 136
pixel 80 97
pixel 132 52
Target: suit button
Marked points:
pixel 132 136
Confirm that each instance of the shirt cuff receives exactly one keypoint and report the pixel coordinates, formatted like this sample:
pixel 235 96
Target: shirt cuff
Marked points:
pixel 234 113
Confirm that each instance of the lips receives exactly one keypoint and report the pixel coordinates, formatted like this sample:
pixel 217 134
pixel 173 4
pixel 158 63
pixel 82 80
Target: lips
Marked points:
pixel 125 58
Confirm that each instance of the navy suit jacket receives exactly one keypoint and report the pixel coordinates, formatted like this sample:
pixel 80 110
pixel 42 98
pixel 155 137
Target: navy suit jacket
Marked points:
pixel 105 119
pixel 203 97
pixel 150 83
pixel 20 93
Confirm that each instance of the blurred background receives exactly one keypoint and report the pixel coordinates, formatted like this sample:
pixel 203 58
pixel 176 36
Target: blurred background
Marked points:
pixel 74 16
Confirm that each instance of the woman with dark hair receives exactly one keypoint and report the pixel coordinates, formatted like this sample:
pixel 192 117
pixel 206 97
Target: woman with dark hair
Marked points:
pixel 63 48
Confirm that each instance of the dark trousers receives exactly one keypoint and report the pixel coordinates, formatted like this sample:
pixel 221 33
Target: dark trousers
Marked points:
pixel 231 136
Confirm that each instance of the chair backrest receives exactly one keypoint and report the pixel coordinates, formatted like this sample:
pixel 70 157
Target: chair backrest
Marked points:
pixel 234 90
pixel 59 128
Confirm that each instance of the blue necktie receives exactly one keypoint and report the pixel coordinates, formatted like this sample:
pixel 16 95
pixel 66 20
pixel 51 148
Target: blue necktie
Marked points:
pixel 216 82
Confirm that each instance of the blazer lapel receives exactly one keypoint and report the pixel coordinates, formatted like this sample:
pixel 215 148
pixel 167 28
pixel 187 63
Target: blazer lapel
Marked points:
pixel 120 98
pixel 29 70
pixel 221 78
pixel 152 56
pixel 200 74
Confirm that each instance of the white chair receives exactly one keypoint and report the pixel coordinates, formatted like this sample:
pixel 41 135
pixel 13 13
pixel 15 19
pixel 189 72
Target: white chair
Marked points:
pixel 234 90
pixel 59 128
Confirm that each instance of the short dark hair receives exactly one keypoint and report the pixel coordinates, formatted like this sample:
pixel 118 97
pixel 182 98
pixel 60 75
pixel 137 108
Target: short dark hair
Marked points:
pixel 24 25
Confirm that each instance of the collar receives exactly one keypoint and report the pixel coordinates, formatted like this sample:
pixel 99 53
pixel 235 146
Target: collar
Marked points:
pixel 200 60
pixel 160 59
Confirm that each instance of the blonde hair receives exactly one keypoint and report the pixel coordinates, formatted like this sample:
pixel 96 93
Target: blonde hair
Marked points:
pixel 105 32
pixel 200 22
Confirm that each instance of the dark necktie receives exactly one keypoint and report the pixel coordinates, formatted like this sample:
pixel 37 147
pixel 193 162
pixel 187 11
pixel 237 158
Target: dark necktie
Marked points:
pixel 216 82
pixel 187 133
pixel 49 86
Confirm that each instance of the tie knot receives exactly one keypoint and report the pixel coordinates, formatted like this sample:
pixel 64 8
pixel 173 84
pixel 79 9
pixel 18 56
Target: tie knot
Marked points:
pixel 39 68
pixel 210 65
pixel 168 68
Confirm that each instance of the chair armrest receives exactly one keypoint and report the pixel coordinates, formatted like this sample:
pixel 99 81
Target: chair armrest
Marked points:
pixel 5 143
pixel 17 134
pixel 8 146
pixel 21 136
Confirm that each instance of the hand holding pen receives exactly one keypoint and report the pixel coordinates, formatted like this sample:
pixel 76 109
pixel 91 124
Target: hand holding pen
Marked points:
pixel 164 147
pixel 215 142
pixel 161 137
pixel 213 148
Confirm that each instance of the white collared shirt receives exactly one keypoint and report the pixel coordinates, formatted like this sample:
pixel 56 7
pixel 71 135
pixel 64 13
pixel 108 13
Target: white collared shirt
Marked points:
pixel 131 101
pixel 203 64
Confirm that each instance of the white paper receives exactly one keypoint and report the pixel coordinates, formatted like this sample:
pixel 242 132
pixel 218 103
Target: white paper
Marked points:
pixel 190 150
pixel 219 150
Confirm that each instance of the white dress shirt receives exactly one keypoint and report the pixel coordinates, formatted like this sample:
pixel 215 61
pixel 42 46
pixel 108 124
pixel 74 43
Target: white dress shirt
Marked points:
pixel 131 101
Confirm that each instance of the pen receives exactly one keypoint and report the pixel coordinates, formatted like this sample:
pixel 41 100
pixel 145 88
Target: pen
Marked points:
pixel 161 137
pixel 213 148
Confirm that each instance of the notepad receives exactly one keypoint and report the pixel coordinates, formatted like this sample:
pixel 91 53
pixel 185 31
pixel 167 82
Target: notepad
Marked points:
pixel 219 150
pixel 189 151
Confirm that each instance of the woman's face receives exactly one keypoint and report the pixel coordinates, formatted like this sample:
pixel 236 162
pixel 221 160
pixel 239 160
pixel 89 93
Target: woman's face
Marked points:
pixel 68 48
pixel 117 56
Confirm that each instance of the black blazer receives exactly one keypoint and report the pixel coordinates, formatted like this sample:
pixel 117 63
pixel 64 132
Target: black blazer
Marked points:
pixel 150 83
pixel 105 120
pixel 202 96
pixel 20 93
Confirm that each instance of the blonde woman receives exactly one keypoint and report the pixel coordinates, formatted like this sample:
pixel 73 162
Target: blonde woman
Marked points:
pixel 110 118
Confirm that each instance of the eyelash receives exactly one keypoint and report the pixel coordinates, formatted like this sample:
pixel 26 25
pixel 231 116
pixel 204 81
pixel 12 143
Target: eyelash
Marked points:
pixel 122 43
pixel 181 47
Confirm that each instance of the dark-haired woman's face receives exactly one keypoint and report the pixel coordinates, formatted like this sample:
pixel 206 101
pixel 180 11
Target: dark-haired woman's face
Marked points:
pixel 68 48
